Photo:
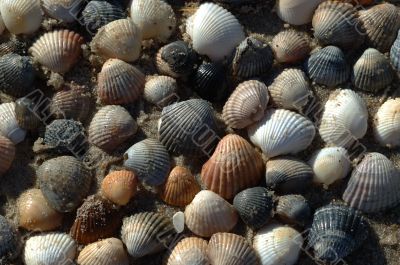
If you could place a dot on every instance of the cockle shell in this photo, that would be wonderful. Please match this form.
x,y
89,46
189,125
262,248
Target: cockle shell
x,y
161,90
9,241
27,113
64,10
190,250
290,46
108,251
293,209
7,154
210,82
21,16
395,53
119,186
387,123
297,12
9,125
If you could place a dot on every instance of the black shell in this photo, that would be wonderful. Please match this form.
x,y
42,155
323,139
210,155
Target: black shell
x,y
9,241
293,209
210,82
27,114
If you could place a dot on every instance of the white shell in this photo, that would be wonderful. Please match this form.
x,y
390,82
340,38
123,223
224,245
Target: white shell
x,y
282,132
109,251
9,125
178,220
160,90
215,32
65,10
345,118
21,16
297,12
387,123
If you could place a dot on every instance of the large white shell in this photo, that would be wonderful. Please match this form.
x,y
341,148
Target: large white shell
x,y
215,32
21,16
297,12
9,124
387,123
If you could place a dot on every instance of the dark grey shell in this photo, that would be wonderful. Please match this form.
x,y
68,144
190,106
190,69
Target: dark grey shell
x,y
255,206
9,242
188,128
210,83
27,114
336,231
293,209
395,53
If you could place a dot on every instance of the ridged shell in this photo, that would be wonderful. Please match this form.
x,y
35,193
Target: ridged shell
x,y
395,53
21,16
290,46
215,32
210,82
297,12
345,118
190,250
9,125
120,39
161,90
328,66
209,213
110,127
119,82
7,154
9,241
146,233
293,209
282,132
119,186
150,161
27,114
58,50
109,251
374,184
246,104
13,45
387,123
234,166
2,27
64,10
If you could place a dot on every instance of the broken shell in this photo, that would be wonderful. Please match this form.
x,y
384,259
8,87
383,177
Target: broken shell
x,y
293,209
210,82
9,241
290,46
387,123
161,90
7,154
26,112
190,250
395,53
64,10
297,12
109,251
21,16
9,125
119,186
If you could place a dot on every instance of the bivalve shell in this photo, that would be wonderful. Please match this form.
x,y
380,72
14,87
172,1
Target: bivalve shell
x,y
210,82
9,241
7,154
293,209
297,12
119,186
109,251
64,10
290,46
21,16
27,113
9,125
190,250
395,53
387,123
161,90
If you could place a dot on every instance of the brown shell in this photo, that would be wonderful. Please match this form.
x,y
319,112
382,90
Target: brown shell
x,y
7,154
290,46
27,114
119,186
190,250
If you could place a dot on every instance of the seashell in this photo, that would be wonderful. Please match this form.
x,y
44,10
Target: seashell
x,y
7,154
9,125
290,46
21,16
64,10
328,66
64,182
290,90
288,175
119,83
255,206
395,53
374,185
13,45
278,244
297,12
336,231
180,187
17,74
330,164
387,123
119,186
155,18
58,50
2,26
26,113
372,72
293,209
161,90
209,213
146,233
210,82
281,132
190,250
192,136
253,57
381,23
109,251
110,127
178,220
96,219
234,166
35,213
49,248
215,32
149,160
345,118
120,39
9,241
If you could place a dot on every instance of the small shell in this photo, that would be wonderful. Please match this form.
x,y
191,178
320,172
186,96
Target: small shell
x,y
395,53
110,127
178,220
150,161
9,241
190,250
209,213
290,46
58,50
161,90
215,32
294,210
21,16
7,154
35,213
246,105
374,185
387,123
64,10
26,112
255,206
119,186
146,233
328,66
119,82
210,82
297,12
120,39
9,125
234,166
109,251
282,132
13,45
180,187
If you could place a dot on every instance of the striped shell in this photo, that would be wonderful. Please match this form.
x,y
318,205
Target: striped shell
x,y
7,154
109,251
9,125
387,123
395,53
210,82
27,113
190,250
119,186
9,241
290,46
293,209
21,16
161,90
297,12
64,10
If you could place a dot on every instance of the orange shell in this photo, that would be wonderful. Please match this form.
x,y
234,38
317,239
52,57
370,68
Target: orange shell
x,y
119,186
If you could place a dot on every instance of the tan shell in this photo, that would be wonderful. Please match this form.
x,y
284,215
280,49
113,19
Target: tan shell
x,y
290,46
119,186
387,123
7,154
21,16
109,251
190,250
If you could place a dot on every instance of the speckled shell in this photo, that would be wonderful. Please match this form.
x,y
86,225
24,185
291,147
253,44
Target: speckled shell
x,y
231,249
336,231
180,187
234,166
290,90
7,154
290,46
344,119
64,181
190,250
119,82
150,161
282,132
246,105
9,125
296,12
64,10
255,206
210,82
21,16
374,184
110,127
395,53
50,248
293,209
9,241
27,113
120,39
109,251
328,66
215,32
387,123
209,213
146,233
161,90
35,213
119,186
277,244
